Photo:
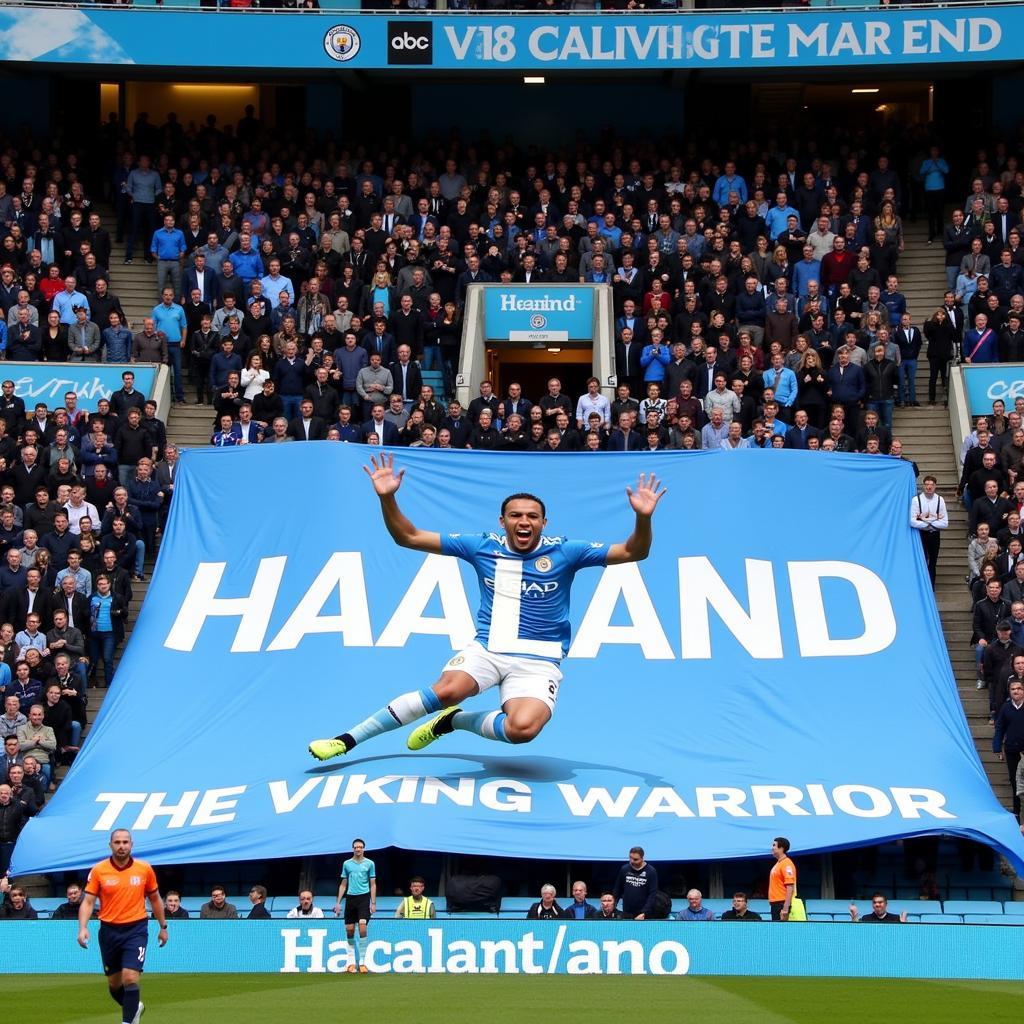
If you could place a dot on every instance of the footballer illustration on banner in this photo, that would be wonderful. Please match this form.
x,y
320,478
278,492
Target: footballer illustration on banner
x,y
721,691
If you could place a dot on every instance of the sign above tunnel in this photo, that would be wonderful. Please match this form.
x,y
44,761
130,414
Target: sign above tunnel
x,y
623,41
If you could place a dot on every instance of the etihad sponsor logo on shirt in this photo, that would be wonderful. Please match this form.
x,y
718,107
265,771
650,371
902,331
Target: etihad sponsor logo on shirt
x,y
525,587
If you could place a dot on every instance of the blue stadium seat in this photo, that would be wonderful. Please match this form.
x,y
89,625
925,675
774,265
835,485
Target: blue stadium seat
x,y
521,903
941,919
825,917
46,903
473,915
1011,907
916,906
841,908
971,907
759,907
717,907
193,903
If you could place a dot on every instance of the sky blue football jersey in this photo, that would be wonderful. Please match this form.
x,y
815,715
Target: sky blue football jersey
x,y
358,874
524,599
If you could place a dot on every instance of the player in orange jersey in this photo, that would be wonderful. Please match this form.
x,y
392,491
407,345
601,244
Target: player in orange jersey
x,y
122,884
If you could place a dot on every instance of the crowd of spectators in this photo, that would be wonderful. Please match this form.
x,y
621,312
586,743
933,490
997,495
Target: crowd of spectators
x,y
756,296
757,299
992,488
81,501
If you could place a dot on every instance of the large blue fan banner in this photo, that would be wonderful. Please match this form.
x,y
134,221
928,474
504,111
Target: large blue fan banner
x,y
775,666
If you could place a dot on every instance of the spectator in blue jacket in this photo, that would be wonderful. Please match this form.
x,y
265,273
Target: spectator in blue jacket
x,y
909,340
783,383
168,249
981,345
580,909
654,358
751,310
146,495
777,217
1007,277
246,261
289,375
350,359
846,386
804,271
933,173
116,341
893,300
695,909
624,438
729,181
224,362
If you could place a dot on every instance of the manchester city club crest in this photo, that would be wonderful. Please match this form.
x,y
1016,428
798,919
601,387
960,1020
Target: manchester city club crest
x,y
538,321
341,43
543,564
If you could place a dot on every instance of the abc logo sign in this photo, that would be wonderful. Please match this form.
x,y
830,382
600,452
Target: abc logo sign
x,y
410,42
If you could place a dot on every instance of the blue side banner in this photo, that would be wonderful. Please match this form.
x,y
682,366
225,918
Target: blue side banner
x,y
991,382
775,667
538,313
49,382
337,39
546,947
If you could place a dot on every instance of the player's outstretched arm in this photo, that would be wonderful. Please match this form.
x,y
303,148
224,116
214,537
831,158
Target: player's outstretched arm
x,y
644,500
386,483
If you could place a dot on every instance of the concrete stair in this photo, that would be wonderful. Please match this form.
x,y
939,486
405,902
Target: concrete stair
x,y
925,433
135,285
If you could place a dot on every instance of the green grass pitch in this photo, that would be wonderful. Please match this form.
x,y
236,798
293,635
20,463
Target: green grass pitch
x,y
559,999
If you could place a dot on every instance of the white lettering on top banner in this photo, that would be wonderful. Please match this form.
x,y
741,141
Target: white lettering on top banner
x,y
698,41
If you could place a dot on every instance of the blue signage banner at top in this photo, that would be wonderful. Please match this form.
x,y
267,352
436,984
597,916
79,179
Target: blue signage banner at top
x,y
540,313
993,382
618,41
741,683
49,382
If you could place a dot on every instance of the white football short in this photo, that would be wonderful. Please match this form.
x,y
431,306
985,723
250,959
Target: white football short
x,y
514,677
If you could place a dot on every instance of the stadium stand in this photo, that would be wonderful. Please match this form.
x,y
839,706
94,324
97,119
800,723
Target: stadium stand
x,y
697,240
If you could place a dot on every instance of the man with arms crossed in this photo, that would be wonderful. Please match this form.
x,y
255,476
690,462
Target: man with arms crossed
x,y
122,884
518,644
